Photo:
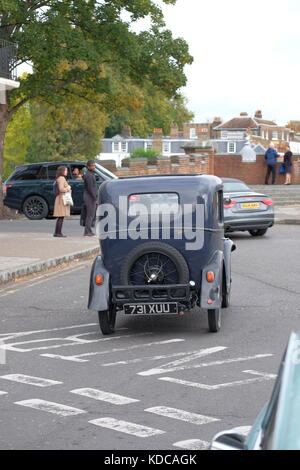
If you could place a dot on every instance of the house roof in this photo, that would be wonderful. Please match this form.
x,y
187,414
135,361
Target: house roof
x,y
239,123
245,122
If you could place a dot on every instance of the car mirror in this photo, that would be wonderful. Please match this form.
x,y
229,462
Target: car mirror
x,y
229,440
233,247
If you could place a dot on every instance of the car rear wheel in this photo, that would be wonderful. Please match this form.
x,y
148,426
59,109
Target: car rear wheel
x,y
35,208
258,232
154,263
107,320
214,320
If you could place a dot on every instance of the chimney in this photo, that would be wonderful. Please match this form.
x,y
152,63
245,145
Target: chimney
x,y
126,132
258,114
157,140
174,131
243,114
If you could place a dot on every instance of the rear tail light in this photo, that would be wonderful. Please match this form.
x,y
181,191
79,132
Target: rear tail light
x,y
5,188
210,276
99,279
268,201
228,205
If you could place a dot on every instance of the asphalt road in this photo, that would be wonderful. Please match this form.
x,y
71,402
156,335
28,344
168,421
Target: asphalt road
x,y
71,226
158,383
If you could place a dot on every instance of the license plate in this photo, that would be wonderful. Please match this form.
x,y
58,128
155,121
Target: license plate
x,y
250,205
150,309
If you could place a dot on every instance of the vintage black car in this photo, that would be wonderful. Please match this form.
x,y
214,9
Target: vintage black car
x,y
163,249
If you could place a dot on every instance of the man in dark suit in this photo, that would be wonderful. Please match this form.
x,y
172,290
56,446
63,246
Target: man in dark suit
x,y
90,197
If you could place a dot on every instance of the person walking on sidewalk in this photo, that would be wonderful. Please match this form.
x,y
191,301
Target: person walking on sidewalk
x,y
90,197
271,156
60,210
287,160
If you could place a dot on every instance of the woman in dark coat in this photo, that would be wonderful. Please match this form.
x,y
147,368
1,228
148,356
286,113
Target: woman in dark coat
x,y
287,159
60,210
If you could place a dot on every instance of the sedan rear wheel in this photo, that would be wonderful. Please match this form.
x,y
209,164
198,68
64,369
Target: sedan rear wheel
x,y
258,232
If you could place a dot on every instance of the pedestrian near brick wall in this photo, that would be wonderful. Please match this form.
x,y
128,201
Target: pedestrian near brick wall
x,y
271,156
287,160
60,210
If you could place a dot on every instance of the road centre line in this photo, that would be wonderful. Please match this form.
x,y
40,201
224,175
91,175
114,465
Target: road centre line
x,y
126,427
35,283
192,444
163,369
112,398
182,415
78,357
188,383
50,407
12,346
30,380
3,393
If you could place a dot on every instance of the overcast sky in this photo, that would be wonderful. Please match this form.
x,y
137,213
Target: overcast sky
x,y
246,56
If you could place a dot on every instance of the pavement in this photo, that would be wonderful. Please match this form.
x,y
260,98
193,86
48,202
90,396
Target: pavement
x,y
28,247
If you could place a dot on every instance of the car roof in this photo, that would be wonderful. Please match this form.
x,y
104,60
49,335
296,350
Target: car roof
x,y
65,162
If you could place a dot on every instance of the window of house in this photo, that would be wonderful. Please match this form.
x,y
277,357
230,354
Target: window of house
x,y
124,147
193,134
274,135
166,147
148,145
231,147
115,147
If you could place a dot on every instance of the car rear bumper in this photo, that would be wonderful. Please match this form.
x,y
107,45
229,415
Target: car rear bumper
x,y
154,293
249,223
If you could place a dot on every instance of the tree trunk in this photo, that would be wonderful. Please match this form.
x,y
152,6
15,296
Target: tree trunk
x,y
4,119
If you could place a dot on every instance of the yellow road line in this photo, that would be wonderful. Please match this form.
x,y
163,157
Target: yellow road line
x,y
41,279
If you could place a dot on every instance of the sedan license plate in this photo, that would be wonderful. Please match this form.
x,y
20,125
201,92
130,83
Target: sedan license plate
x,y
151,309
250,205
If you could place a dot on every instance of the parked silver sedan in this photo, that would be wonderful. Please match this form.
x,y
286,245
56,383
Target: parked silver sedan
x,y
245,209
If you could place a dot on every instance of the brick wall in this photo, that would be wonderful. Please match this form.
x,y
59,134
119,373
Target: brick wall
x,y
230,166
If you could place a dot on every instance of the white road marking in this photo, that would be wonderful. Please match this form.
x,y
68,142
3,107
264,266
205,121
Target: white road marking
x,y
29,380
50,407
74,341
262,377
104,396
243,430
126,427
3,393
147,358
178,365
167,367
6,336
182,415
80,357
192,444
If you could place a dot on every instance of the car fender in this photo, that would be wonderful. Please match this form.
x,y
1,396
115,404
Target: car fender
x,y
99,294
210,291
229,246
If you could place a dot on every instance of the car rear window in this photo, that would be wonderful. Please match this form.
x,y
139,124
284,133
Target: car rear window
x,y
231,187
153,203
26,173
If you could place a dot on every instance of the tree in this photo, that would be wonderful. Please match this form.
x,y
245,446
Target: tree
x,y
70,131
87,37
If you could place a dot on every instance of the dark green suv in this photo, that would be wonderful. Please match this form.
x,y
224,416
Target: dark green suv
x,y
30,187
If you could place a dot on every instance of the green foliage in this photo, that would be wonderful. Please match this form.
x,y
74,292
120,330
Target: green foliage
x,y
17,140
70,131
142,153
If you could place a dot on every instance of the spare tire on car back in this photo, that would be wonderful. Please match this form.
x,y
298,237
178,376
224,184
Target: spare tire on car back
x,y
154,263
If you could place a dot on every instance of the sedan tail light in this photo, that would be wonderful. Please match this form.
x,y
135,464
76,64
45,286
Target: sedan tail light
x,y
268,201
228,205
